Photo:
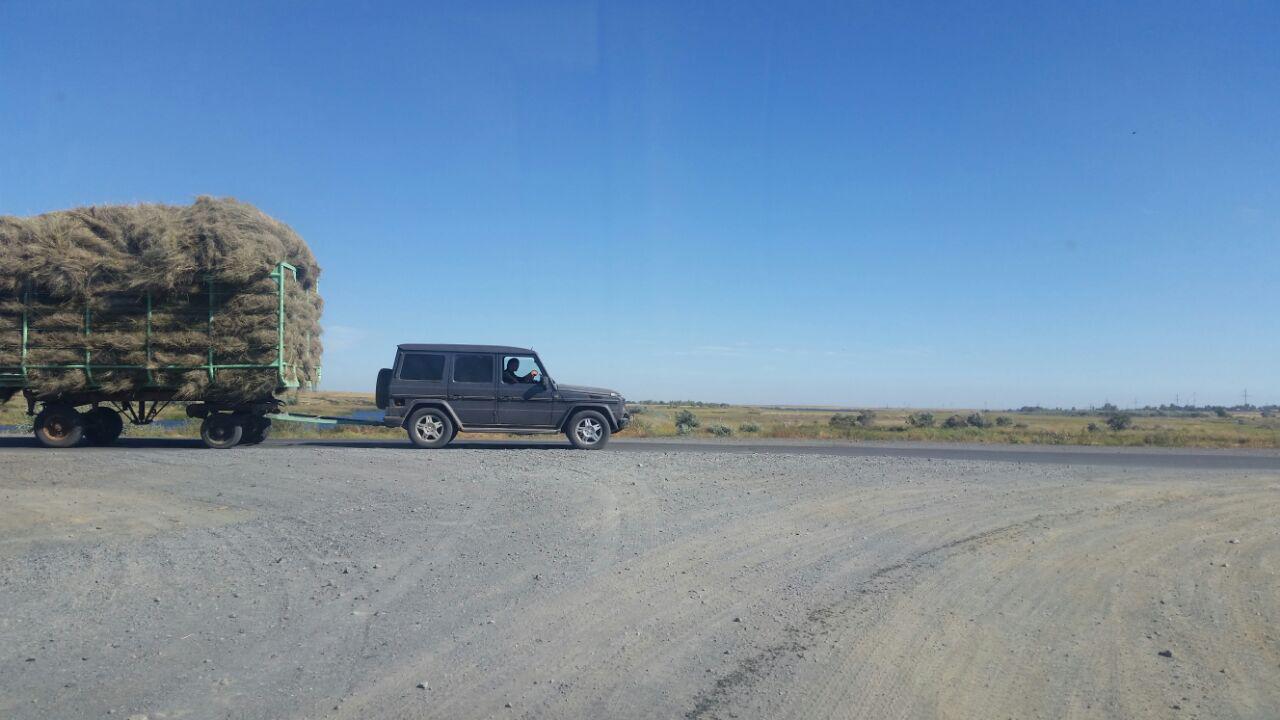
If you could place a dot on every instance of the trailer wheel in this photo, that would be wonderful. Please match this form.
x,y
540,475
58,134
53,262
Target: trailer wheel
x,y
256,429
221,431
102,426
59,426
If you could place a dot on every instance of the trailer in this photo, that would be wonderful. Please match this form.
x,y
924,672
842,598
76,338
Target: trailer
x,y
95,414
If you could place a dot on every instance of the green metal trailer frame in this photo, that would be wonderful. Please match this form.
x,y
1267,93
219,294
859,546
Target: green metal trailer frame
x,y
12,376
324,420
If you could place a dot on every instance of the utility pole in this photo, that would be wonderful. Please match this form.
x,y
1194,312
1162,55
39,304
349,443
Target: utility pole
x,y
1246,397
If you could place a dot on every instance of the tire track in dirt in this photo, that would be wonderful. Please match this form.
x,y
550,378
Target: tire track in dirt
x,y
818,622
1064,619
638,599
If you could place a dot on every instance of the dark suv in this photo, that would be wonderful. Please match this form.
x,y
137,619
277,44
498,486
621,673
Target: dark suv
x,y
435,391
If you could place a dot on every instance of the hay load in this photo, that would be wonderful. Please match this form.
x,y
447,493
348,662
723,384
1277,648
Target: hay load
x,y
124,298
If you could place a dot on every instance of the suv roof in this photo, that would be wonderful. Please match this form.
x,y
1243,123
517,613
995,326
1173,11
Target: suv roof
x,y
505,349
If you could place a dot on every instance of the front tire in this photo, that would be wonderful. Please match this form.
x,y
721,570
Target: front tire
x,y
102,426
221,431
430,428
588,430
59,426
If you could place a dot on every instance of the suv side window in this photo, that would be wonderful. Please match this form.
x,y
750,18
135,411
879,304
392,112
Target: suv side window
x,y
421,366
473,368
526,368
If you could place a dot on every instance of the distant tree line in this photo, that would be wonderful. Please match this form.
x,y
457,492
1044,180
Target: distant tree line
x,y
1168,410
680,403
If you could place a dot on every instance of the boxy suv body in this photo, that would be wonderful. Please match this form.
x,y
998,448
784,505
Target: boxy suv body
x,y
436,391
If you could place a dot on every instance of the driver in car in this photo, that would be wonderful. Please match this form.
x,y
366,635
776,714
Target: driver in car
x,y
509,375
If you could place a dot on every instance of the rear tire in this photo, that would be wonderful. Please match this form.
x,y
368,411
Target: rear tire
x,y
256,429
221,431
59,426
102,426
430,428
588,430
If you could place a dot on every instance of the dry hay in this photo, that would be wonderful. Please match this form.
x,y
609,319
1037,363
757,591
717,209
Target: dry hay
x,y
104,260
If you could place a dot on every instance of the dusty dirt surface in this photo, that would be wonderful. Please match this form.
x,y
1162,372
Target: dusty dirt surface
x,y
313,582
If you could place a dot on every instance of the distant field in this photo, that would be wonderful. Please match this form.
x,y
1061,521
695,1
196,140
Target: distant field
x,y
1238,430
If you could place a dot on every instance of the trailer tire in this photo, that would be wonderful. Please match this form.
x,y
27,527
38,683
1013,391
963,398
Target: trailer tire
x,y
102,426
256,429
59,426
221,431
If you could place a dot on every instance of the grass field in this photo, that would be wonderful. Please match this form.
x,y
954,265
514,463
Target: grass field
x,y
1238,430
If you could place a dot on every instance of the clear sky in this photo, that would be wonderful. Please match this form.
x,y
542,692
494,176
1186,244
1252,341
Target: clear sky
x,y
933,204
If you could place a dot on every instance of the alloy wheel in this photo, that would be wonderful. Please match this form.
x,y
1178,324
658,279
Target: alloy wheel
x,y
429,428
589,430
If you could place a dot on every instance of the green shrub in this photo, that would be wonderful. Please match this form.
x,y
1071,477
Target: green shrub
x,y
720,430
920,420
1004,421
842,421
1221,412
637,409
748,427
1094,427
686,421
955,421
978,420
864,418
1120,421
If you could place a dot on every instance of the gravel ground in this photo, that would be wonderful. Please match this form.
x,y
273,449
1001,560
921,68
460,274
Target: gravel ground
x,y
313,582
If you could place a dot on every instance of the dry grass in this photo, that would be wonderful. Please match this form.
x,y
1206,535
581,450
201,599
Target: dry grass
x,y
99,263
1242,430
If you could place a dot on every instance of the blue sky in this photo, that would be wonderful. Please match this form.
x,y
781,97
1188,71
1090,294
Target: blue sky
x,y
934,204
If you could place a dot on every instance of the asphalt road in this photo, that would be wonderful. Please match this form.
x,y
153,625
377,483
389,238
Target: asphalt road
x,y
1175,458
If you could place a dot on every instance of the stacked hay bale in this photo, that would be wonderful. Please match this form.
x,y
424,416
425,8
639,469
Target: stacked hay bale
x,y
205,270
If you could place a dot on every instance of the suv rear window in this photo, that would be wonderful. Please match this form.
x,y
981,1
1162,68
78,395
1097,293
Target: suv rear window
x,y
473,368
419,366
